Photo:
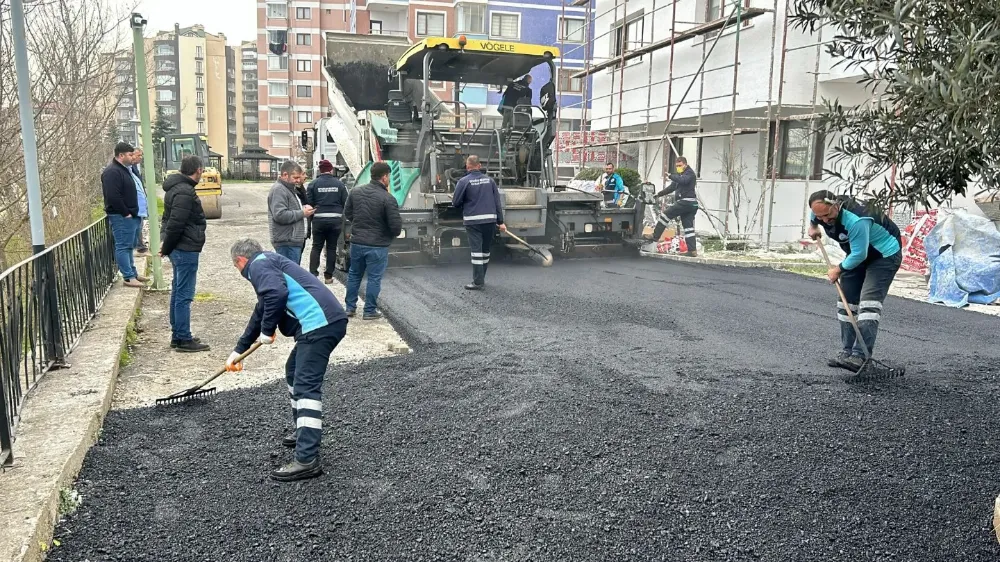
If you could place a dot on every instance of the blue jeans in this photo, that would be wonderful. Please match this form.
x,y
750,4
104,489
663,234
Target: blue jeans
x,y
123,230
182,293
293,253
139,245
370,259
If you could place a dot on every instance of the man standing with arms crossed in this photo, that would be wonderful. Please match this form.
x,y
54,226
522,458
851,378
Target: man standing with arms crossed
x,y
479,198
375,222
121,203
286,215
328,196
294,302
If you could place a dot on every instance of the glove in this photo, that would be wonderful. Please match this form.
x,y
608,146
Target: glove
x,y
265,340
231,366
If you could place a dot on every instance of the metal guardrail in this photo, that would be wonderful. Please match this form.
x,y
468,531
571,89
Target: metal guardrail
x,y
46,303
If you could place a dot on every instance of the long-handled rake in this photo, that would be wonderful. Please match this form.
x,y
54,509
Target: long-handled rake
x,y
200,391
871,369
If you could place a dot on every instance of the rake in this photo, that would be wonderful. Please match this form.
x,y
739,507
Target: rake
x,y
871,369
197,392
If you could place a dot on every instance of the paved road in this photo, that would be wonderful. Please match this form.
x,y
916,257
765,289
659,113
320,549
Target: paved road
x,y
596,410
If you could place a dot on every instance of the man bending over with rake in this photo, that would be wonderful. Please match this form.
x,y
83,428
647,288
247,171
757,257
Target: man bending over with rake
x,y
872,244
295,302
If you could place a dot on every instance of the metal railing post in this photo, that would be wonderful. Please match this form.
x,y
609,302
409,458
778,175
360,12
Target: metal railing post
x,y
88,267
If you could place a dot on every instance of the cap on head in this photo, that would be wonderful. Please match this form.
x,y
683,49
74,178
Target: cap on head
x,y
325,167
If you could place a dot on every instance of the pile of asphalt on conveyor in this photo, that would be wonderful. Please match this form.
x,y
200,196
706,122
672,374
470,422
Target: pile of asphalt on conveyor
x,y
365,84
553,418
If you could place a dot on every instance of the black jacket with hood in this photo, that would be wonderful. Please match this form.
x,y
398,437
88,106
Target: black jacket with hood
x,y
374,215
183,217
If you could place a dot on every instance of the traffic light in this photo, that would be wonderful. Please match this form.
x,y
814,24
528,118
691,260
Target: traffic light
x,y
305,139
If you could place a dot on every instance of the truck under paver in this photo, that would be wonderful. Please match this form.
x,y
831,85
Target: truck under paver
x,y
611,410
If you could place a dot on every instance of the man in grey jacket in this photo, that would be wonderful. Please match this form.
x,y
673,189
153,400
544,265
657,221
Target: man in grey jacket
x,y
286,215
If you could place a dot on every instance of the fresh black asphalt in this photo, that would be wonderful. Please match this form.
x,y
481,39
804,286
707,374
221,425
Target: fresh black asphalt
x,y
595,410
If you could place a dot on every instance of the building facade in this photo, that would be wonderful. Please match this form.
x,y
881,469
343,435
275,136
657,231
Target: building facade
x,y
291,47
249,116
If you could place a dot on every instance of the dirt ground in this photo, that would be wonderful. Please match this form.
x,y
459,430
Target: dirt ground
x,y
223,303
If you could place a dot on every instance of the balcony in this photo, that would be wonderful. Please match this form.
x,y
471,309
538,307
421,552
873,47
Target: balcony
x,y
389,5
390,32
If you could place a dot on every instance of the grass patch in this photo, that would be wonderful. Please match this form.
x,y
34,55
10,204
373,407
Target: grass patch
x,y
204,297
131,338
69,501
807,270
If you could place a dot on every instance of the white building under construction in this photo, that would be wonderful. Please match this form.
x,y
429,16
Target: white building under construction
x,y
732,86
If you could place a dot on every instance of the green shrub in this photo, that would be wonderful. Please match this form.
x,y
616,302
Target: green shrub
x,y
589,174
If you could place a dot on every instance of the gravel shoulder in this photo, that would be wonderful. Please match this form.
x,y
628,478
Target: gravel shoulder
x,y
595,410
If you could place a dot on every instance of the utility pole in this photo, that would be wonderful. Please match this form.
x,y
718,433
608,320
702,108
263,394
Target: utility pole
x,y
27,113
148,158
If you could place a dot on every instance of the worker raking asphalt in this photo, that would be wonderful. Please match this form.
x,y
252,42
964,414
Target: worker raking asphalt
x,y
594,410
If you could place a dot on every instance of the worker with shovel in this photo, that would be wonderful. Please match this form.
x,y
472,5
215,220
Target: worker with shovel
x,y
872,244
479,198
295,302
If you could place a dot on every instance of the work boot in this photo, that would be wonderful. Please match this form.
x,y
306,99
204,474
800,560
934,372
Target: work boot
x,y
373,315
143,254
175,343
290,439
191,346
473,287
328,279
134,283
691,253
852,363
351,313
297,470
838,360
142,279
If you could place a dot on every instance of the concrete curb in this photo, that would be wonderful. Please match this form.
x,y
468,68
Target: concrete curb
x,y
62,418
728,263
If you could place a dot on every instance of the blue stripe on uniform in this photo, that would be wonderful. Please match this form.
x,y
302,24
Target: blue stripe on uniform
x,y
304,307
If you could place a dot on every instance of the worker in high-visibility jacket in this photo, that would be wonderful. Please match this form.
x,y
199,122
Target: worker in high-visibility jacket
x,y
685,208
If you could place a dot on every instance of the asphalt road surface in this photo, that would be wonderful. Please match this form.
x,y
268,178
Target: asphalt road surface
x,y
595,410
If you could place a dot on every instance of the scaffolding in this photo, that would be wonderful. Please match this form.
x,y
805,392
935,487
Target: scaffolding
x,y
615,136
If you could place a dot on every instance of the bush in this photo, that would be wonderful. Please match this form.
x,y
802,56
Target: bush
x,y
589,174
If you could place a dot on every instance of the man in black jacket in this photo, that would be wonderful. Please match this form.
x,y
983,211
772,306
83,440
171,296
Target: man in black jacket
x,y
121,203
375,221
686,206
183,240
328,196
479,198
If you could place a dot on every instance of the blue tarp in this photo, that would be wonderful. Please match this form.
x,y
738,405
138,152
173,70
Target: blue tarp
x,y
963,251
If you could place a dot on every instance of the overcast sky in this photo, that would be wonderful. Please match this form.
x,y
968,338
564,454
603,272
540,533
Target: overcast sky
x,y
237,19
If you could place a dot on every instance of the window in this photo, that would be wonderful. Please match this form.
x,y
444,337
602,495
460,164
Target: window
x,y
303,13
165,66
430,24
472,18
168,109
303,91
304,65
277,63
571,30
201,112
627,36
201,127
720,9
303,39
164,95
568,84
250,120
277,88
796,139
166,80
250,97
304,117
164,50
279,115
280,141
375,27
199,67
505,26
199,97
199,82
434,85
199,52
124,114
279,11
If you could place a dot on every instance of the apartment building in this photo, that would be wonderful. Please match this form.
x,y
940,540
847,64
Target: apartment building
x,y
126,115
291,47
249,116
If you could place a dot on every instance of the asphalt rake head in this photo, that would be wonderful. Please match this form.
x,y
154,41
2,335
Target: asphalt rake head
x,y
873,370
186,395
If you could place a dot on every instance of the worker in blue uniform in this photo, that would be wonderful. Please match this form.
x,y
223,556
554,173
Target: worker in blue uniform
x,y
291,300
479,198
874,253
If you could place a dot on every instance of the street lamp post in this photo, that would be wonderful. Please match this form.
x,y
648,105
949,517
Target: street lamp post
x,y
27,113
148,163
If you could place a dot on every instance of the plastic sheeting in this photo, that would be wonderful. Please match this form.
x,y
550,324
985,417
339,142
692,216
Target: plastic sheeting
x,y
964,255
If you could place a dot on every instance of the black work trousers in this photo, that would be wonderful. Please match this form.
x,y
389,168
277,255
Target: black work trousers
x,y
480,241
686,210
304,373
865,288
325,231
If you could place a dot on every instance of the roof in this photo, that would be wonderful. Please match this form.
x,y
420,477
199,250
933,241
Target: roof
x,y
480,61
253,152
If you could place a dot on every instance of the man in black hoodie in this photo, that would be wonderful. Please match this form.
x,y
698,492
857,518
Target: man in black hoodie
x,y
685,208
183,240
328,196
121,203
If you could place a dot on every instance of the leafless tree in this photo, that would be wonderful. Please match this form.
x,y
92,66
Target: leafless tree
x,y
743,206
71,47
